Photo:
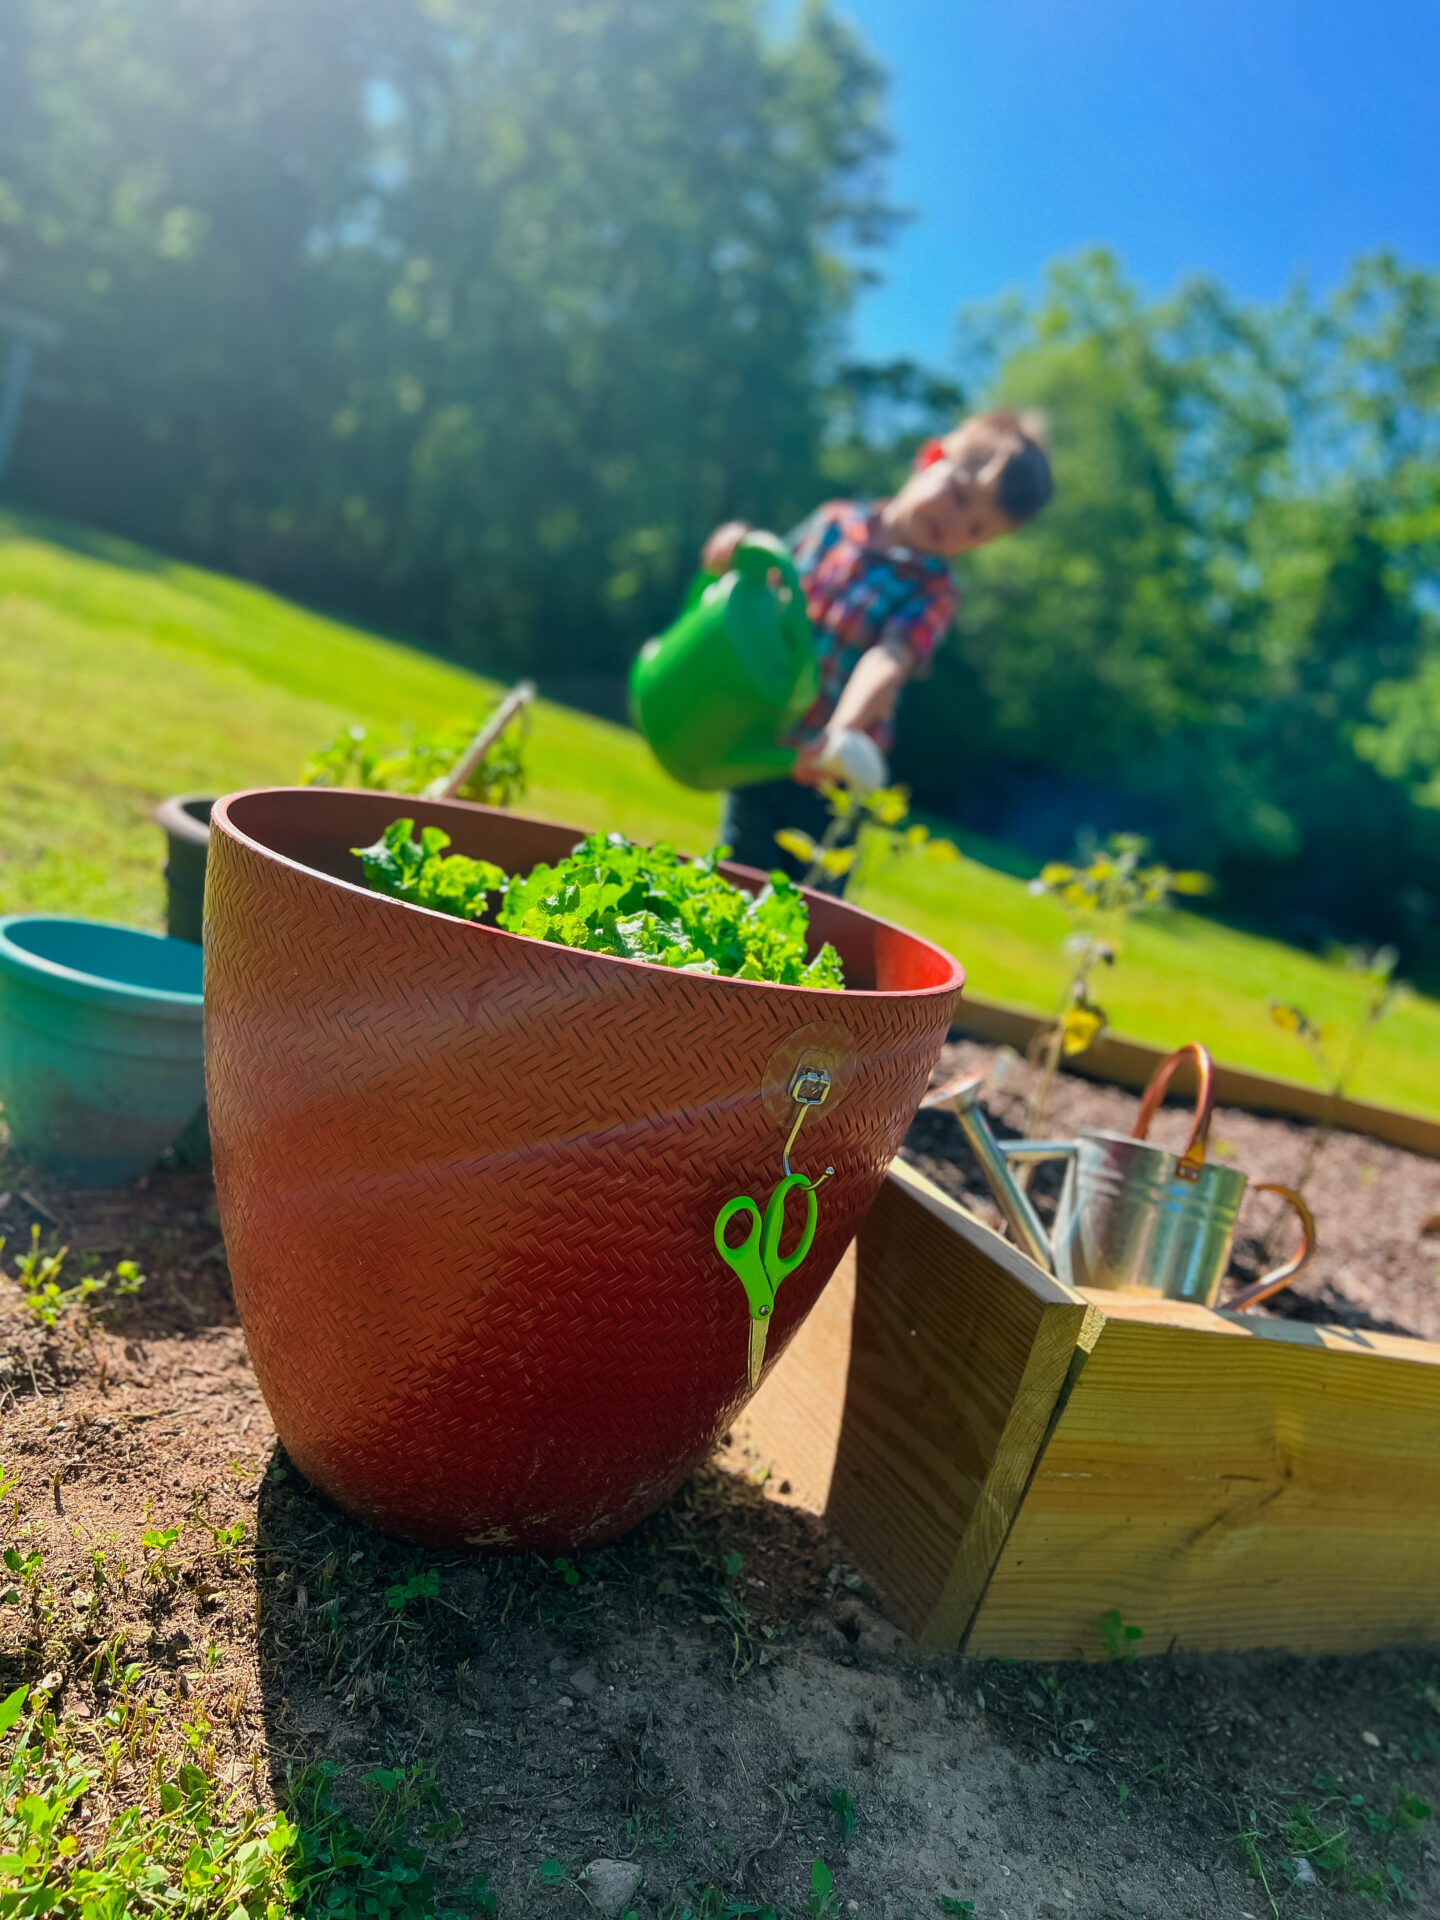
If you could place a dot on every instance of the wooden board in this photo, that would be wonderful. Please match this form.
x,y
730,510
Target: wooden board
x,y
1130,1063
911,1406
1231,1483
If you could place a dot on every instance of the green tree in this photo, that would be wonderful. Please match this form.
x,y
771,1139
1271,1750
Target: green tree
x,y
165,167
470,317
1195,634
607,338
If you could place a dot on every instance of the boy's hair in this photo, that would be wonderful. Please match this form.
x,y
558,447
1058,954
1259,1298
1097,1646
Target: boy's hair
x,y
1006,451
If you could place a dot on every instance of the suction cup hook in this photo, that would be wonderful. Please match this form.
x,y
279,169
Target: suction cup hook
x,y
809,1088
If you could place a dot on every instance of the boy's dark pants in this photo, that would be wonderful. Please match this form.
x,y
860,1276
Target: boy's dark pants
x,y
754,815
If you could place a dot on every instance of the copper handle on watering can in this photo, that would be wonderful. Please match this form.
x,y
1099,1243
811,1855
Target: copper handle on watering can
x,y
1279,1277
1193,1158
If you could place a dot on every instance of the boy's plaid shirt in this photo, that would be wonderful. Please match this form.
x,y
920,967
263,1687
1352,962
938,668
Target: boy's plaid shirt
x,y
859,593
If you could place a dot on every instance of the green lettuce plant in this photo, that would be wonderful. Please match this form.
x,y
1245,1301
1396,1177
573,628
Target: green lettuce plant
x,y
611,896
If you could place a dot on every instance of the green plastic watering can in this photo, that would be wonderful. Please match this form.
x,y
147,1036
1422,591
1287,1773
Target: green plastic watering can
x,y
716,690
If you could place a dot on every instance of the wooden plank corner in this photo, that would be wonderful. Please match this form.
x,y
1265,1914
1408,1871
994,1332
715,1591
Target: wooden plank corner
x,y
910,1407
1228,1483
1010,1461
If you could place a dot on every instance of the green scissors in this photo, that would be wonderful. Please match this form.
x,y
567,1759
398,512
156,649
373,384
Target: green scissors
x,y
758,1261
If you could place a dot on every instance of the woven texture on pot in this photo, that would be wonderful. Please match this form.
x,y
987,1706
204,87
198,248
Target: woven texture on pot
x,y
469,1181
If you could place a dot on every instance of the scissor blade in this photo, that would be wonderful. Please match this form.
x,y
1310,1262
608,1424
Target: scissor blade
x,y
758,1330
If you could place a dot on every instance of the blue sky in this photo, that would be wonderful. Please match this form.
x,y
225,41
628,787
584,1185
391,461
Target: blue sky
x,y
1250,139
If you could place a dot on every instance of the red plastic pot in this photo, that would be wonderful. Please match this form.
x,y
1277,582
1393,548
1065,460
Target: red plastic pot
x,y
469,1181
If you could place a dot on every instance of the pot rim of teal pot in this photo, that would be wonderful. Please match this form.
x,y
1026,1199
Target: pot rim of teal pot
x,y
34,970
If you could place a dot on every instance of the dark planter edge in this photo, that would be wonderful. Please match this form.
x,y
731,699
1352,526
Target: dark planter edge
x,y
170,816
1124,1062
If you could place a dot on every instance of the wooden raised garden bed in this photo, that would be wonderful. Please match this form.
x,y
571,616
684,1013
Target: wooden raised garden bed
x,y
1014,1463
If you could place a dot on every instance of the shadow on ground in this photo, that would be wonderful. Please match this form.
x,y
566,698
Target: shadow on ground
x,y
717,1702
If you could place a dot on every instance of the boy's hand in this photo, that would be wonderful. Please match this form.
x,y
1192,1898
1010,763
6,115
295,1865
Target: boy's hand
x,y
809,767
719,549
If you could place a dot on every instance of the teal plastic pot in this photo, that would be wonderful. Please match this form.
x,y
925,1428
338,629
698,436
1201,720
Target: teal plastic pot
x,y
102,1059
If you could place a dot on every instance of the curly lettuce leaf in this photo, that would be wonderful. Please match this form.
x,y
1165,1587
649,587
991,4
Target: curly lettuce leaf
x,y
611,896
422,873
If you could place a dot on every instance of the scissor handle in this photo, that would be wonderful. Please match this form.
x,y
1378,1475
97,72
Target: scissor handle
x,y
741,1204
747,1260
780,1266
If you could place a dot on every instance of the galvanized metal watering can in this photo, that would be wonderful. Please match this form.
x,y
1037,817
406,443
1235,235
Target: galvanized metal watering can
x,y
1131,1215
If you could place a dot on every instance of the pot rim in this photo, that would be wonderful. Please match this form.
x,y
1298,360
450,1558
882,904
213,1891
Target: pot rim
x,y
220,820
1213,1172
98,989
172,817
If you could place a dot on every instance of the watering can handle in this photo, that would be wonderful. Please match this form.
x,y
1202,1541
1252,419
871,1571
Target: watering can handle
x,y
1279,1277
758,552
1193,1158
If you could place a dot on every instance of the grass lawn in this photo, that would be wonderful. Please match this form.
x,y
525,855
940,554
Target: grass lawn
x,y
125,677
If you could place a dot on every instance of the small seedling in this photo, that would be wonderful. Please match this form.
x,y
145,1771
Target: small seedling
x,y
420,1586
1121,1641
958,1909
105,1667
843,1808
823,1903
1100,893
39,1274
481,1897
227,1542
881,833
158,1543
26,1570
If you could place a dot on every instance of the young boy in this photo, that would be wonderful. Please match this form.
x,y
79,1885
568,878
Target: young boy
x,y
880,596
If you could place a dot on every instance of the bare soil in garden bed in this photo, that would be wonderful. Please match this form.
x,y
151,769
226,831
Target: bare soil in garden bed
x,y
1376,1207
714,1703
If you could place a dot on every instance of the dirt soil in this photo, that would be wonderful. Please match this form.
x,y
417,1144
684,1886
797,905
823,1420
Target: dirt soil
x,y
711,1705
1376,1207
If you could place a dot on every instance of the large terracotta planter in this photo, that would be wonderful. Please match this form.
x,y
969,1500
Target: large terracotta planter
x,y
469,1181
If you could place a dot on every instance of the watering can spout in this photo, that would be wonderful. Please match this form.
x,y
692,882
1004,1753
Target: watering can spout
x,y
995,1156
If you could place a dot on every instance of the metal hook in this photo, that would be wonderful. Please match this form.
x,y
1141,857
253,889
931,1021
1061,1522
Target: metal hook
x,y
809,1088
